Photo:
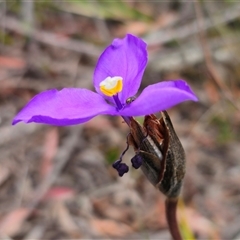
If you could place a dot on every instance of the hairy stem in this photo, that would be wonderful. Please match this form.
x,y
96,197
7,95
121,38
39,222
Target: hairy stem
x,y
171,210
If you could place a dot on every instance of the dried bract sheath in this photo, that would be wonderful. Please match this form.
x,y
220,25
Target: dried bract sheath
x,y
163,157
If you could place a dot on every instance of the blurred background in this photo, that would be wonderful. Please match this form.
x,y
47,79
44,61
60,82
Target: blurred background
x,y
57,182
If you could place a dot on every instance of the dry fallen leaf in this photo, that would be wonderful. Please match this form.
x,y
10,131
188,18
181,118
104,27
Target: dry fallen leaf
x,y
107,210
137,28
64,219
12,223
4,174
110,228
99,123
198,223
155,216
211,92
59,193
12,62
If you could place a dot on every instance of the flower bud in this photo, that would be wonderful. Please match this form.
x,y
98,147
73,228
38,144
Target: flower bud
x,y
162,154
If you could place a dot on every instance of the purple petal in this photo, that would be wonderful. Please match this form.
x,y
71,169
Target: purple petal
x,y
126,58
158,97
66,107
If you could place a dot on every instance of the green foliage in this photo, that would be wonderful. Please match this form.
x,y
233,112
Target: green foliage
x,y
111,155
44,4
6,38
185,230
118,10
12,6
172,44
224,129
140,120
230,1
234,25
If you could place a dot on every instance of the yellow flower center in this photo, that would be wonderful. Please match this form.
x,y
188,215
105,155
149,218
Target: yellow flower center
x,y
111,86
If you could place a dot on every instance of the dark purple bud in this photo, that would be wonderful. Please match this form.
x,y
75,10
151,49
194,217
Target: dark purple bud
x,y
136,161
122,169
116,164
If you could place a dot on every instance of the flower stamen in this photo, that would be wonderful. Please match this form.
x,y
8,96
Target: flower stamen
x,y
111,86
121,168
137,159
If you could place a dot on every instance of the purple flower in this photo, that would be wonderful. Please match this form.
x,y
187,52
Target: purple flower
x,y
117,78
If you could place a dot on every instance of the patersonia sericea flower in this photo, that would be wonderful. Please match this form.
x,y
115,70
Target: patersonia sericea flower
x,y
116,79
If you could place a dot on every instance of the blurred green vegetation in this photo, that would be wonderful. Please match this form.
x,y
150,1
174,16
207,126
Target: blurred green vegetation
x,y
185,230
224,129
112,154
6,38
107,9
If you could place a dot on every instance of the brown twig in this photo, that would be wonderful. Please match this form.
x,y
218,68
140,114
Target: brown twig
x,y
62,156
189,29
171,210
211,69
51,38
